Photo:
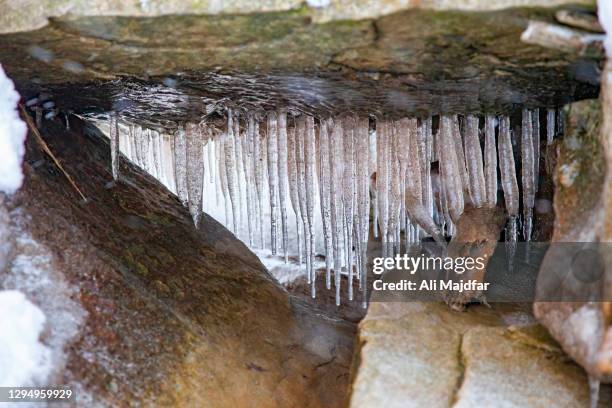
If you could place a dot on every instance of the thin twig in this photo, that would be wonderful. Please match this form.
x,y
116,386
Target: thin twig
x,y
45,147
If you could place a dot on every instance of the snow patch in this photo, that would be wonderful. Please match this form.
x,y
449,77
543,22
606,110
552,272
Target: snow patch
x,y
12,137
24,361
318,3
604,10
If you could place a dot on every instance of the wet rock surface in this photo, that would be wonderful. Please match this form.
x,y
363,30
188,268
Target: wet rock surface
x,y
424,354
179,68
171,315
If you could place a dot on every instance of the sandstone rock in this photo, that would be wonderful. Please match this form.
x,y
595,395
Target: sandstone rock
x,y
28,15
579,326
425,355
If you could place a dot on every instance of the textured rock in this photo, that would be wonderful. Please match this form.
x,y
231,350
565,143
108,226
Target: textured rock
x,y
581,216
425,355
161,70
171,315
19,15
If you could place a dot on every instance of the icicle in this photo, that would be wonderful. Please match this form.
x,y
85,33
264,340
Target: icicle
x,y
258,163
363,200
195,171
282,177
247,164
223,181
132,143
336,167
293,185
300,136
348,181
535,115
211,159
145,140
180,163
373,166
490,157
325,191
230,171
594,386
509,185
157,154
382,183
527,172
560,122
239,172
309,167
550,126
507,168
138,145
450,165
473,155
465,180
114,144
272,139
424,140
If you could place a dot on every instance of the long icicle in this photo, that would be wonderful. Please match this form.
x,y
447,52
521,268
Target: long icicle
x,y
490,158
282,178
239,172
300,136
258,164
450,167
382,187
230,171
114,144
336,166
325,191
272,139
550,126
180,164
293,185
473,155
535,116
195,171
348,198
509,185
527,172
247,158
363,202
309,169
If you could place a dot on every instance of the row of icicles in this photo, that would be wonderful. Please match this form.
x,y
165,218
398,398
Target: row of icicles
x,y
327,176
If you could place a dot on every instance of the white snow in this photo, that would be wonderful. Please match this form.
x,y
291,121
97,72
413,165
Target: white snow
x,y
318,3
12,137
24,360
604,11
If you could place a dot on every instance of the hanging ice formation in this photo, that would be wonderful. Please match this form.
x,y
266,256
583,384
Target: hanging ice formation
x,y
317,181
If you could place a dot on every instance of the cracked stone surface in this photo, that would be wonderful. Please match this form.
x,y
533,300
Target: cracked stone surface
x,y
425,355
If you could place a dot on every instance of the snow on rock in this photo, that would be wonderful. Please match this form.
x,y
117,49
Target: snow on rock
x,y
604,10
12,137
24,361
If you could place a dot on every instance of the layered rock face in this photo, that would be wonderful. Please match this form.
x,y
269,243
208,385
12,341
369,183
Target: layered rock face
x,y
161,313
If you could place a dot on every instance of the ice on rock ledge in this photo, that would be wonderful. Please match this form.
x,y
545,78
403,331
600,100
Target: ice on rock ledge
x,y
414,175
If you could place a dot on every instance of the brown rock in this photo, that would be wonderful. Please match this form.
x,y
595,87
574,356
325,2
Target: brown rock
x,y
162,322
